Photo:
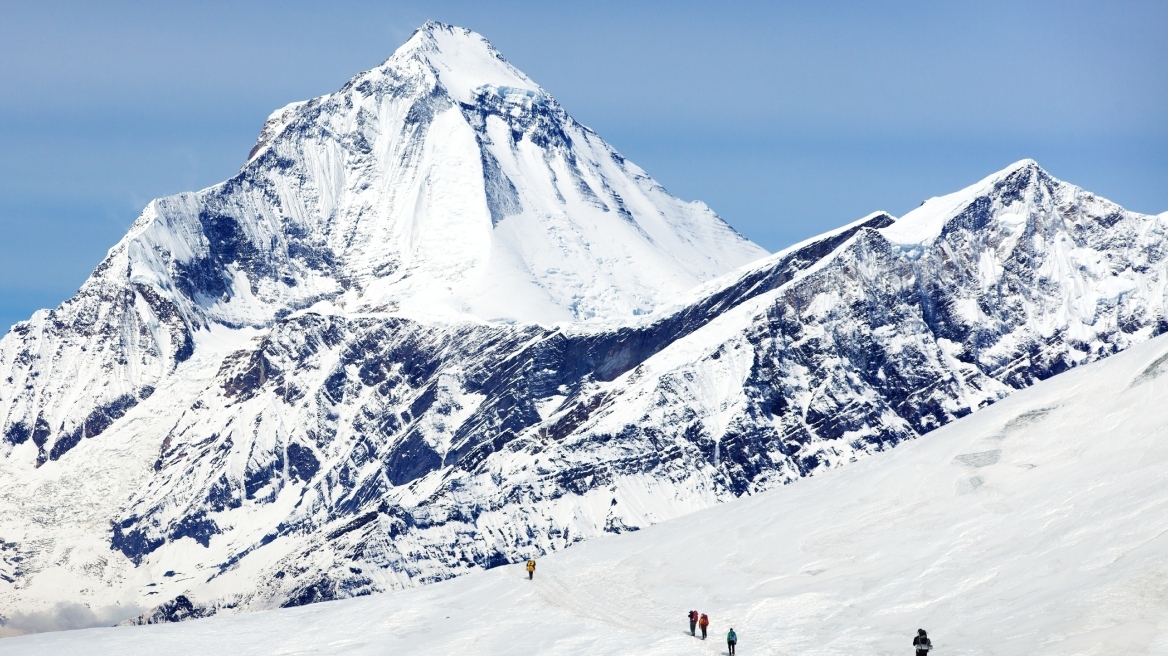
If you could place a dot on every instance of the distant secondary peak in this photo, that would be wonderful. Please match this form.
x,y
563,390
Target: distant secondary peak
x,y
1019,166
925,223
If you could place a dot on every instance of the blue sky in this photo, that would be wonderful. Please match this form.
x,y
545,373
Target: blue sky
x,y
786,118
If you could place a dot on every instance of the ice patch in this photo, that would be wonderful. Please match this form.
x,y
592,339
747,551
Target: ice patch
x,y
980,459
547,407
967,485
1026,419
1154,370
66,616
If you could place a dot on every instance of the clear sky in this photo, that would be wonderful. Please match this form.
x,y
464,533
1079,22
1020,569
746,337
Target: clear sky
x,y
786,118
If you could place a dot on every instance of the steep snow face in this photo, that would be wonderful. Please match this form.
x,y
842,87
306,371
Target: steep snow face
x,y
70,373
1032,527
445,183
442,185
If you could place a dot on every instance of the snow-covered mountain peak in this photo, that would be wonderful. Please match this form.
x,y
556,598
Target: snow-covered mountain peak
x,y
924,224
462,59
443,184
462,62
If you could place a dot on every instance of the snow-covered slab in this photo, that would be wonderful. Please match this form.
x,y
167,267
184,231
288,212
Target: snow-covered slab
x,y
1033,527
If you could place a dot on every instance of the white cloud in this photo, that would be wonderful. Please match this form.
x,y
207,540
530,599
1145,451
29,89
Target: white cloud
x,y
68,615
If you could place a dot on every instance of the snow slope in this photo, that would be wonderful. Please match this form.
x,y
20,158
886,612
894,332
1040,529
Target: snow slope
x,y
1035,526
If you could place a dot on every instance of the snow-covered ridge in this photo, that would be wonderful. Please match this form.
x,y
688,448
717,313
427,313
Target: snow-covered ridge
x,y
1029,528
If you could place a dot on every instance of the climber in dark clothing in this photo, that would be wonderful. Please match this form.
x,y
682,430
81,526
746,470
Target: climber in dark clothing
x,y
731,641
921,643
693,622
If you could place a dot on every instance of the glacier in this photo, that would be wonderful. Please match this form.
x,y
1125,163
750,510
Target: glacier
x,y
435,326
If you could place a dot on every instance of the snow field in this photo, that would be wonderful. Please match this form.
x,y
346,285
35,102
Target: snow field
x,y
1035,526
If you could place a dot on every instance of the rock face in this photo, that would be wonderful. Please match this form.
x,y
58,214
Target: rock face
x,y
434,324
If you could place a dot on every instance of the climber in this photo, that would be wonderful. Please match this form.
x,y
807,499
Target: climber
x,y
704,623
693,622
921,643
530,569
731,640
